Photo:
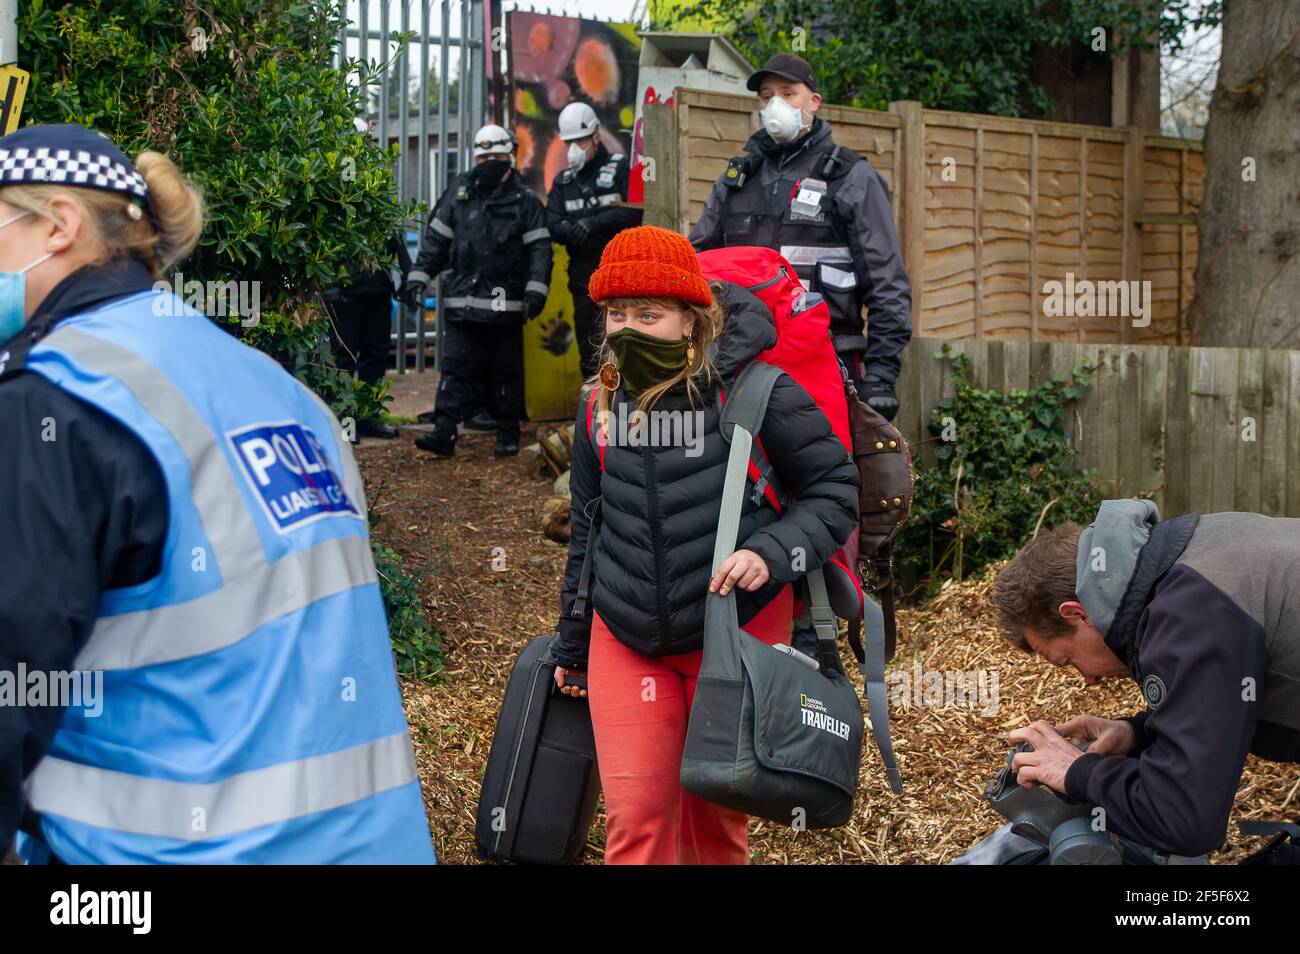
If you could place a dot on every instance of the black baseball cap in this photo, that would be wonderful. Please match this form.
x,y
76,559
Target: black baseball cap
x,y
788,65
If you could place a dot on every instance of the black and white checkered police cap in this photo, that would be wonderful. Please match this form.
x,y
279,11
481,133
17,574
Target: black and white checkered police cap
x,y
70,155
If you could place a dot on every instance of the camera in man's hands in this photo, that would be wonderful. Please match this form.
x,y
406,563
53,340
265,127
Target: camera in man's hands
x,y
1054,821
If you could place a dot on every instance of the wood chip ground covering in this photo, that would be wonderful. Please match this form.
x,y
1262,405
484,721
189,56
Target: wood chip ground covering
x,y
453,521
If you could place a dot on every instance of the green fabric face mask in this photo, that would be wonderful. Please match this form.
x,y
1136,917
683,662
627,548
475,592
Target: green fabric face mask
x,y
644,360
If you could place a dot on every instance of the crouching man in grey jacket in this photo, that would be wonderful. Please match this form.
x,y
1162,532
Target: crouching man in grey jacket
x,y
1204,612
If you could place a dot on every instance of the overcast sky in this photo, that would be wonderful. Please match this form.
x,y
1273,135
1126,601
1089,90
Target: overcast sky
x,y
592,9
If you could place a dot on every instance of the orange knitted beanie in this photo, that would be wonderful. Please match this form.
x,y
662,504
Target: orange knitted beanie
x,y
649,262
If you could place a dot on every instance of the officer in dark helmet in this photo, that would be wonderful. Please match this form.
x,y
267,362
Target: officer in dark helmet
x,y
827,211
489,231
583,215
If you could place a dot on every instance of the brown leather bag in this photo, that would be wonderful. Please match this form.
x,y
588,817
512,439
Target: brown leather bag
x,y
885,468
884,501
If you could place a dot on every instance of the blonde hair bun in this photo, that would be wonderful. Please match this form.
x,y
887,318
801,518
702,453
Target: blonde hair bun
x,y
178,207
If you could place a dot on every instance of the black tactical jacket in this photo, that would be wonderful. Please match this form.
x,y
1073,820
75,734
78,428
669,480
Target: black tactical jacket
x,y
494,243
848,250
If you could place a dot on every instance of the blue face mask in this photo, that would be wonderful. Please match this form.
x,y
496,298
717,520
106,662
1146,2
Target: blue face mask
x,y
13,292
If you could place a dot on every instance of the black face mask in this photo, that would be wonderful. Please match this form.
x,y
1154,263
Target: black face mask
x,y
489,173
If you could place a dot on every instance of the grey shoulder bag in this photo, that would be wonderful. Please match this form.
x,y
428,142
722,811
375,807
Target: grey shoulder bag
x,y
772,732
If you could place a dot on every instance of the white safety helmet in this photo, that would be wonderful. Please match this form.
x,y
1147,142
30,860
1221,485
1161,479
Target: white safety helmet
x,y
494,140
577,121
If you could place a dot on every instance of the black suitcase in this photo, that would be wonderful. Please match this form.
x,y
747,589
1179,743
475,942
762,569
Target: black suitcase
x,y
540,787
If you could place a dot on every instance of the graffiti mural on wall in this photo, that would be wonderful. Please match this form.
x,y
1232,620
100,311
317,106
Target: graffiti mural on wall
x,y
560,60
555,61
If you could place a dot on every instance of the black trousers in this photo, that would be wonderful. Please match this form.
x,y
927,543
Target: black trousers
x,y
586,316
362,324
475,354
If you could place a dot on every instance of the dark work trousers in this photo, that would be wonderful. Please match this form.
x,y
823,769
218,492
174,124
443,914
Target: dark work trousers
x,y
586,318
476,354
362,324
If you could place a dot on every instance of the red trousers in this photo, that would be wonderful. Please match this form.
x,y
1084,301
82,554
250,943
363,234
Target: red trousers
x,y
639,710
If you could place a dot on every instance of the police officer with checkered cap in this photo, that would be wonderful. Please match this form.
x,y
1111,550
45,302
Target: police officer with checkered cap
x,y
180,512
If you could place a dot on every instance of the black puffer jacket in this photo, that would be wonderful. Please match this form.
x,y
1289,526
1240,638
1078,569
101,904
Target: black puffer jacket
x,y
659,508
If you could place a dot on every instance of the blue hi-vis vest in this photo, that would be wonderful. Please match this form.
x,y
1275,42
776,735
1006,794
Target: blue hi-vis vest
x,y
249,712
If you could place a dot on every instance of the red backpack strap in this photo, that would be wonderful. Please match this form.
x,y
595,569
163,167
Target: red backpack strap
x,y
591,432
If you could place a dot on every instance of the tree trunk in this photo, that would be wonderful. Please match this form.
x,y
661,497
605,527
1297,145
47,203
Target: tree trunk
x,y
1248,267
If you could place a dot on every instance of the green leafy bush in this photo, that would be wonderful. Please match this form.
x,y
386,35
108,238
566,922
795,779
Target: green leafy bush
x,y
245,96
1005,466
417,650
969,55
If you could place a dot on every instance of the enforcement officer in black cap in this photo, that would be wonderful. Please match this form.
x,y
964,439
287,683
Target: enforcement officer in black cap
x,y
827,211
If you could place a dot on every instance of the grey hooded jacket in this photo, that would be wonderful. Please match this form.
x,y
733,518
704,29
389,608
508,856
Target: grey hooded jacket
x,y
1205,612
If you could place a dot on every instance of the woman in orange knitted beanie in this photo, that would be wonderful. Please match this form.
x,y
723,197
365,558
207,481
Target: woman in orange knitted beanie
x,y
647,470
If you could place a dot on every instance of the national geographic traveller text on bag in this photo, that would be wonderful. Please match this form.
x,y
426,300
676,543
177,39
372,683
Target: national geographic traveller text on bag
x,y
772,733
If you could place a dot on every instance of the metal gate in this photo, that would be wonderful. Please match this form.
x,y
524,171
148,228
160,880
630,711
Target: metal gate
x,y
370,37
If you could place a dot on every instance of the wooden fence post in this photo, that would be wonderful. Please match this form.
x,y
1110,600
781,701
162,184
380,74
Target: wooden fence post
x,y
1134,151
662,146
910,194
683,140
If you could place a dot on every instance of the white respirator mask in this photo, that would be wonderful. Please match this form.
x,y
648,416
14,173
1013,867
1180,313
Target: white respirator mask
x,y
782,121
577,156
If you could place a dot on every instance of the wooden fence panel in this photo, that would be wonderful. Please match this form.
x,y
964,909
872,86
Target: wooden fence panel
x,y
989,210
1159,421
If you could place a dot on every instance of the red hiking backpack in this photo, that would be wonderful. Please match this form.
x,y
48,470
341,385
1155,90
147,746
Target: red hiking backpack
x,y
804,351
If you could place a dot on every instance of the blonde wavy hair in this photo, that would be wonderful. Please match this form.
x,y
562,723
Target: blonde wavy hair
x,y
699,373
111,229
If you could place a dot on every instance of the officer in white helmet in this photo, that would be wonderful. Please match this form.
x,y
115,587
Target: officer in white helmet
x,y
489,231
583,215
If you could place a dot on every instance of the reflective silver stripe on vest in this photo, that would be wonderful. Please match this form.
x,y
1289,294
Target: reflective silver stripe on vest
x,y
540,287
536,234
812,254
441,227
836,277
235,611
608,198
166,809
227,523
254,592
487,304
